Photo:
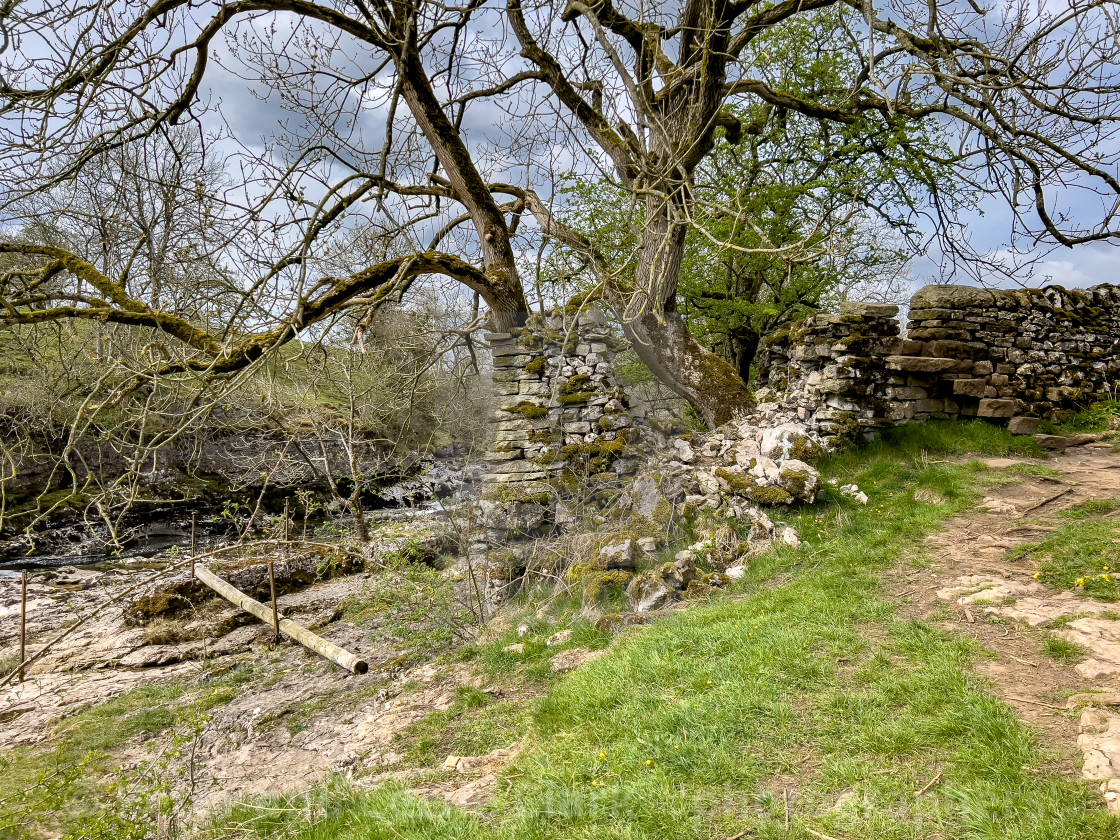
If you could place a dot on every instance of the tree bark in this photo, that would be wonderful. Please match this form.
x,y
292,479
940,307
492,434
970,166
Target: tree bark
x,y
658,332
503,292
710,384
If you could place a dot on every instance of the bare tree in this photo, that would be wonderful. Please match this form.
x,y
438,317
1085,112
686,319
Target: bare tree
x,y
477,103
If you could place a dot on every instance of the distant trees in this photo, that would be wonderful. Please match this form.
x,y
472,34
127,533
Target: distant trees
x,y
437,125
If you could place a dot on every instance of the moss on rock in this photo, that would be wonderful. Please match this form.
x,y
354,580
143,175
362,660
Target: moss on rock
x,y
528,410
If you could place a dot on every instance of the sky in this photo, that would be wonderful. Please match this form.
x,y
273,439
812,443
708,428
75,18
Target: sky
x,y
251,119
989,226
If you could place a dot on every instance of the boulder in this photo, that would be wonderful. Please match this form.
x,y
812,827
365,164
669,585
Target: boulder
x,y
614,622
618,554
951,297
680,573
799,480
1023,425
648,592
1054,442
684,451
560,638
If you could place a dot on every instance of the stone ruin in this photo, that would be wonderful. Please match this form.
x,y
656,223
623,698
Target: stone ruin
x,y
568,445
1019,355
564,423
560,404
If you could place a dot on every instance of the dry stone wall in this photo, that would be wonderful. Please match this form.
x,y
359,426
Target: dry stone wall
x,y
1027,354
560,403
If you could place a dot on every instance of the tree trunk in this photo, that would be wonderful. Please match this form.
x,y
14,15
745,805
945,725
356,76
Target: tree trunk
x,y
744,345
358,514
658,332
710,384
503,291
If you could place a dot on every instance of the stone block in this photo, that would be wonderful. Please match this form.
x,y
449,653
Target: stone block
x,y
952,297
929,405
955,349
938,334
932,314
519,467
900,412
1023,425
1055,442
907,393
869,310
910,347
512,478
509,455
997,408
920,364
983,368
535,389
970,387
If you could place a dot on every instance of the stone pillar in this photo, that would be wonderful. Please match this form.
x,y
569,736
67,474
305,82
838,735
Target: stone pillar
x,y
560,408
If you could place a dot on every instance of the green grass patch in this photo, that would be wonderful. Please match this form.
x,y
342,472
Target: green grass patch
x,y
60,784
1098,417
1068,653
475,724
1090,508
1082,554
689,729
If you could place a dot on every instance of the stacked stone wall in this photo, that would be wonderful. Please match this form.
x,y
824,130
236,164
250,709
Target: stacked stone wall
x,y
968,352
560,403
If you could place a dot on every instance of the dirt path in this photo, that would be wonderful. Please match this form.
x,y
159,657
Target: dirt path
x,y
978,584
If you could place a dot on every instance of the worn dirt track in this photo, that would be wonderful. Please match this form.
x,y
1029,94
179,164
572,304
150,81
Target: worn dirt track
x,y
972,572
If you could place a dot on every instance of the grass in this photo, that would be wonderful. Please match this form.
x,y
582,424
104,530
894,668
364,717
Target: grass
x,y
63,778
1098,417
692,728
1083,554
1067,653
476,723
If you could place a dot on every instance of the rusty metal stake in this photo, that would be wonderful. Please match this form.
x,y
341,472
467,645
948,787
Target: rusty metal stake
x,y
22,625
272,589
194,540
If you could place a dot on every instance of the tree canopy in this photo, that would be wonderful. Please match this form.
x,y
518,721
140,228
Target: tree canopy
x,y
441,127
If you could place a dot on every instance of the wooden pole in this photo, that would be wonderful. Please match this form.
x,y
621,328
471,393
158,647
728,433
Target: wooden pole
x,y
194,540
272,591
22,624
289,628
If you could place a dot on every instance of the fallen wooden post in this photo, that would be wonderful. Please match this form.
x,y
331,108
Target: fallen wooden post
x,y
22,624
272,593
288,627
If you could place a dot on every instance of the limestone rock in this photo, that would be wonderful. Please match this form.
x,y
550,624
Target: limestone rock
x,y
569,660
680,573
648,592
617,555
1023,425
560,638
614,622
